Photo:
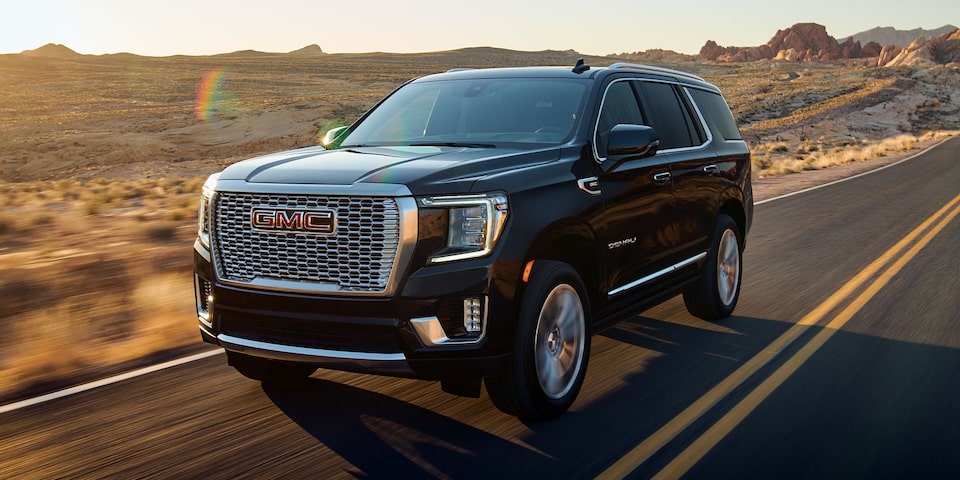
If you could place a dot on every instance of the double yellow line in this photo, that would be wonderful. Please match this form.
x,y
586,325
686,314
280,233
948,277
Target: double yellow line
x,y
693,453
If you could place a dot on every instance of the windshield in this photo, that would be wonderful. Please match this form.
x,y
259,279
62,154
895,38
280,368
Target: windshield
x,y
510,112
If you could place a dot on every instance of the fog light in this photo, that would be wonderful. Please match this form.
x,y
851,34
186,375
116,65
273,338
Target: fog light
x,y
204,295
472,315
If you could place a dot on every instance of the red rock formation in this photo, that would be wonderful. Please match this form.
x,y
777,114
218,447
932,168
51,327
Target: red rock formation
x,y
937,50
803,42
871,49
887,53
850,49
809,40
945,48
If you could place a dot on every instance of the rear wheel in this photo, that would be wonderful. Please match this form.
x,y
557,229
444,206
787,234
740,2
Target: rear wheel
x,y
715,294
268,371
551,348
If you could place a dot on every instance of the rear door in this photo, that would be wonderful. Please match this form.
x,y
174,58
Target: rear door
x,y
693,163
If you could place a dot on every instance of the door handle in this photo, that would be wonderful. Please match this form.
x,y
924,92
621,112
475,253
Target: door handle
x,y
711,170
662,178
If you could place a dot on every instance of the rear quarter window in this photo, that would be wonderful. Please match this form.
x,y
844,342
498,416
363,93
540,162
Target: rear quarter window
x,y
716,113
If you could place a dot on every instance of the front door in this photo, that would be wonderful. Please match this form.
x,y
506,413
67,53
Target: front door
x,y
637,226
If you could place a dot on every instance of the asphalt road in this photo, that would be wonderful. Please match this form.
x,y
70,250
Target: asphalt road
x,y
841,361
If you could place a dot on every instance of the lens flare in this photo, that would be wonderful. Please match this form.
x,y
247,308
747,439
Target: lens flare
x,y
210,94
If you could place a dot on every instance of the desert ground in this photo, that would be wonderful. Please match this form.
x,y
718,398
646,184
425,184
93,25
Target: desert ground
x,y
102,159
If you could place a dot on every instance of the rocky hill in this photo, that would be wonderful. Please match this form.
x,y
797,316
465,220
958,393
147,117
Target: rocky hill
x,y
51,50
810,42
803,42
900,38
313,49
923,51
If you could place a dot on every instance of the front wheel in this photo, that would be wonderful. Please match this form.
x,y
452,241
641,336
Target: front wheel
x,y
551,348
715,293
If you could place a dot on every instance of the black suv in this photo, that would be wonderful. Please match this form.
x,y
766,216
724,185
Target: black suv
x,y
479,225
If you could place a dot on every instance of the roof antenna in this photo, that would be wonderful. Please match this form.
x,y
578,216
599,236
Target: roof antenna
x,y
580,67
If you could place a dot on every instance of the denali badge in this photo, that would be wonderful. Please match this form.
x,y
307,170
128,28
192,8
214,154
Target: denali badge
x,y
320,222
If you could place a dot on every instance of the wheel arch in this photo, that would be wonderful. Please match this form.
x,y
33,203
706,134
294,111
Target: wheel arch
x,y
573,243
731,204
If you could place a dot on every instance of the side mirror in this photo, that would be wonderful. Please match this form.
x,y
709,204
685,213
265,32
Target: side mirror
x,y
334,137
630,142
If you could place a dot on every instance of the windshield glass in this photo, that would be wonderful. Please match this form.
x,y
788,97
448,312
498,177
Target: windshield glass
x,y
511,112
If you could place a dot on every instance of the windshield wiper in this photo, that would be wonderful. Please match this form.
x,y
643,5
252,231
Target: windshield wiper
x,y
453,144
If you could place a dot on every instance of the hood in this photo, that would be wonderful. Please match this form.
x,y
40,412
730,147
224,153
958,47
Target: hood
x,y
421,169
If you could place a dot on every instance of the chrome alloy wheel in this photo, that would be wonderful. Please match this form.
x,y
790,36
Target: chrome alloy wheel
x,y
728,267
559,342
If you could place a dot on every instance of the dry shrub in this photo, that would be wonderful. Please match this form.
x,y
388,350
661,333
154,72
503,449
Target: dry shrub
x,y
811,157
160,231
181,214
89,315
6,224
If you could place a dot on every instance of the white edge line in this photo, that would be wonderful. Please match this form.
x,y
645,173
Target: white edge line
x,y
868,172
106,381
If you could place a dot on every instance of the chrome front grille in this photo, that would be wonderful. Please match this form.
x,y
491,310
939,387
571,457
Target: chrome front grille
x,y
358,257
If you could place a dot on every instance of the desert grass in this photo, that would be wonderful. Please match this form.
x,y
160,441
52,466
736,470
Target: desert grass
x,y
95,273
780,158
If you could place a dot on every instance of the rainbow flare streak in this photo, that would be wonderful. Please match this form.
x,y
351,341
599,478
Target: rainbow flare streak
x,y
209,93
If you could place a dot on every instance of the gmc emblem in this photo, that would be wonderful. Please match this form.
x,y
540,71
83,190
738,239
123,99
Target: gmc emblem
x,y
319,222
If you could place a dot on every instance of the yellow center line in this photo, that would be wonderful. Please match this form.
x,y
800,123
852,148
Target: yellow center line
x,y
639,454
683,462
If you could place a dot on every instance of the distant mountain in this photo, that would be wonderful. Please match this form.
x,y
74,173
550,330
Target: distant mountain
x,y
51,50
901,38
309,50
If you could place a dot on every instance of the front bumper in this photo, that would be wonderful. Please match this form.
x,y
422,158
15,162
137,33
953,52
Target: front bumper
x,y
417,333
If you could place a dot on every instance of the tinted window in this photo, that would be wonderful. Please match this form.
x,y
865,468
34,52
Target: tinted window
x,y
716,113
619,106
668,116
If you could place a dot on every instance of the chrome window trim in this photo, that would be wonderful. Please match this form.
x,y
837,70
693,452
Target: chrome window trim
x,y
408,231
703,125
658,274
702,120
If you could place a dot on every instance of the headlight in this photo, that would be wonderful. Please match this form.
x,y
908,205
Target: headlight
x,y
475,222
203,216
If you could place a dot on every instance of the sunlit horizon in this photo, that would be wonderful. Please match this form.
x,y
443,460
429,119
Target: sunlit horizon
x,y
182,27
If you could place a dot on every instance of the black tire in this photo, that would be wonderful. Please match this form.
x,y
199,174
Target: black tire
x,y
268,371
551,346
714,295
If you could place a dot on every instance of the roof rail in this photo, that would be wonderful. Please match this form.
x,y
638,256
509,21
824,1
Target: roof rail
x,y
648,68
461,69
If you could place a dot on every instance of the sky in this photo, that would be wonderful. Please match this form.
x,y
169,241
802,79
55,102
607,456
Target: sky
x,y
600,27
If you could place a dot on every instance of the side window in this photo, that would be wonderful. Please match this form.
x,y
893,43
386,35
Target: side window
x,y
716,113
669,116
619,106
